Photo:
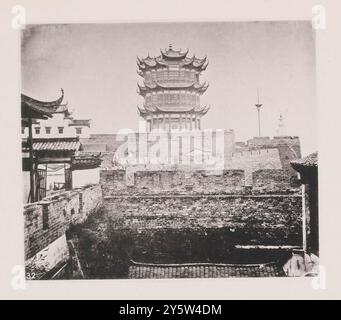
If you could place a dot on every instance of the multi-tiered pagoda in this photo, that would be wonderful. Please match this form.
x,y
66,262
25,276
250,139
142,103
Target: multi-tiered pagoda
x,y
172,90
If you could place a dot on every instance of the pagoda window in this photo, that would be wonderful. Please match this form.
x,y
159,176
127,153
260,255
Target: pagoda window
x,y
154,98
79,130
182,74
23,130
173,74
148,76
60,130
47,130
37,130
182,97
148,98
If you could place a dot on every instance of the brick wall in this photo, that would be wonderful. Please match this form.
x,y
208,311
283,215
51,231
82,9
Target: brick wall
x,y
115,182
271,181
248,219
47,220
253,160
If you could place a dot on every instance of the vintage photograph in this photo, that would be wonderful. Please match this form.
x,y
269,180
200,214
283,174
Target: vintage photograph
x,y
169,150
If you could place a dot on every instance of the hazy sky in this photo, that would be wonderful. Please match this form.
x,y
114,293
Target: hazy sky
x,y
95,64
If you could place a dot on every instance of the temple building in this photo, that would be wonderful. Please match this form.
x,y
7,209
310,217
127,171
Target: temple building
x,y
53,159
171,90
60,123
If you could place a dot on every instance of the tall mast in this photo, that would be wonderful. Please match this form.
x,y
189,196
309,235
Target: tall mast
x,y
258,106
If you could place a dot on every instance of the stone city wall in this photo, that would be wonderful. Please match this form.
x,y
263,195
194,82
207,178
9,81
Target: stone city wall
x,y
265,219
134,181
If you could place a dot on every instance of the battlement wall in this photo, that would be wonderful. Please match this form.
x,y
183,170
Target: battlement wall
x,y
159,182
118,182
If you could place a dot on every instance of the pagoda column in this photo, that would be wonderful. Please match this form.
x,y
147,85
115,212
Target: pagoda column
x,y
151,122
191,121
180,124
169,122
195,122
164,122
158,121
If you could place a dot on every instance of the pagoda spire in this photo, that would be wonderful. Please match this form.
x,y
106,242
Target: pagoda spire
x,y
281,131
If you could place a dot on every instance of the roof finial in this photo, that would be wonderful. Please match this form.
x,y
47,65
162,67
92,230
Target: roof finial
x,y
170,46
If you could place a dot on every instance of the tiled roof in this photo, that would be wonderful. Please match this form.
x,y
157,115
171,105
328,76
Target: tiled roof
x,y
308,161
204,270
86,160
80,122
38,109
60,144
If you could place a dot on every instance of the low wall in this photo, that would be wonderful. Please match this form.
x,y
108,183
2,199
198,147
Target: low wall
x,y
48,220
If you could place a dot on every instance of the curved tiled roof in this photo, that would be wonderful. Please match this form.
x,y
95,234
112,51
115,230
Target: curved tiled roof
x,y
170,57
201,88
39,109
170,53
55,144
173,108
86,160
309,161
204,270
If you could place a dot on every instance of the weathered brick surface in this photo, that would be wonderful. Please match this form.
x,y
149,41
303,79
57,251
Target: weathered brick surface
x,y
70,207
116,182
250,219
274,181
180,182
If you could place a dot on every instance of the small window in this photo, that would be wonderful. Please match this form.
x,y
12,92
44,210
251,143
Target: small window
x,y
48,130
37,130
60,130
78,130
22,130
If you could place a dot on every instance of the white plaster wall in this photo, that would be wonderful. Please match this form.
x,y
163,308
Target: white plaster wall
x,y
81,178
56,121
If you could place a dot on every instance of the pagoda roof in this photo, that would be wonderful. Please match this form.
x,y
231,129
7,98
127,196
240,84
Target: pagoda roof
x,y
36,109
170,57
170,53
150,109
201,88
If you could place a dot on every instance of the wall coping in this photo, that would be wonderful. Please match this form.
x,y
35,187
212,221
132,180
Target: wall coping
x,y
59,196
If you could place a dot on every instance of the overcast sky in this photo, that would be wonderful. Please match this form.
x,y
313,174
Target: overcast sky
x,y
95,64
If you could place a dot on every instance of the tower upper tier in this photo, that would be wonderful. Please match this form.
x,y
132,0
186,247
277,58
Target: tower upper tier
x,y
171,88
